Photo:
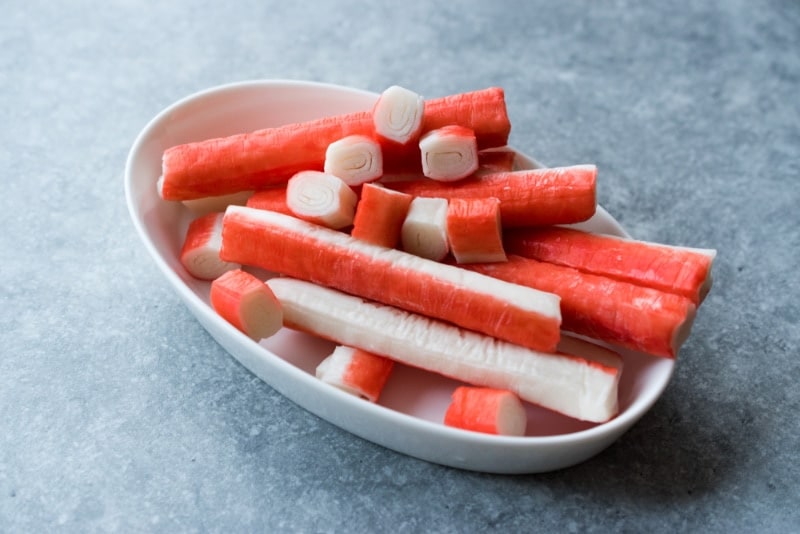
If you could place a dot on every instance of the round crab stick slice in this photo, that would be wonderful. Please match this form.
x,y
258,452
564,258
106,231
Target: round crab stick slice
x,y
398,115
474,231
487,410
247,303
200,251
356,371
321,198
424,231
356,159
449,153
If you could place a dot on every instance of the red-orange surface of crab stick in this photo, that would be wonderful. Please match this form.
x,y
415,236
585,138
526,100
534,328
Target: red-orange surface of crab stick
x,y
560,195
628,315
487,410
680,270
247,303
259,159
296,248
379,217
474,230
356,371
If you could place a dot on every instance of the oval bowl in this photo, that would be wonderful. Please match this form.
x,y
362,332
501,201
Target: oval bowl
x,y
408,416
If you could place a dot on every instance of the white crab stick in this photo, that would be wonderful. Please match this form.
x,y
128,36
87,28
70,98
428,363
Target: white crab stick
x,y
356,159
449,153
321,198
424,230
576,386
398,115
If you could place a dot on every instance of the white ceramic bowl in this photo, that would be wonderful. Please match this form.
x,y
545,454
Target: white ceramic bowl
x,y
408,418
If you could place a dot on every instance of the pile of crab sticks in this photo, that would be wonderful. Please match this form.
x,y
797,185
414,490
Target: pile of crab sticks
x,y
407,233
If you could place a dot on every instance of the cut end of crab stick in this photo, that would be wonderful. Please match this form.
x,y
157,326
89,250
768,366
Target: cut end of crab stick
x,y
449,153
200,251
398,115
247,303
424,231
572,385
356,371
474,230
321,198
356,159
487,410
379,217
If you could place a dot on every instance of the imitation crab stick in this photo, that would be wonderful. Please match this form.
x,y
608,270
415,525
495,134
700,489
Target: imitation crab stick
x,y
474,230
629,315
424,230
200,251
296,248
272,198
449,153
533,197
398,115
680,270
204,206
247,303
487,410
259,159
356,371
356,159
321,198
583,386
379,217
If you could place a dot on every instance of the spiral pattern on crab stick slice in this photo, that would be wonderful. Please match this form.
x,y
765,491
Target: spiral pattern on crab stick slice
x,y
355,159
449,153
581,381
297,248
321,198
398,115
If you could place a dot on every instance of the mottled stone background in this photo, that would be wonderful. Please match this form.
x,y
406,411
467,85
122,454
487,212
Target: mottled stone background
x,y
119,412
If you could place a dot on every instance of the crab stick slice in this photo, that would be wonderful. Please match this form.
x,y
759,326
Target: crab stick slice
x,y
356,371
424,231
200,251
398,115
532,197
263,158
487,410
628,315
584,387
380,214
356,159
247,303
296,248
474,230
321,198
449,153
681,270
273,199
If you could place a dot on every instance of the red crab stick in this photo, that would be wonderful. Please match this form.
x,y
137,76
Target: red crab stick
x,y
296,248
200,251
584,387
533,197
273,198
684,271
379,217
247,303
487,410
356,371
255,160
474,230
629,315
